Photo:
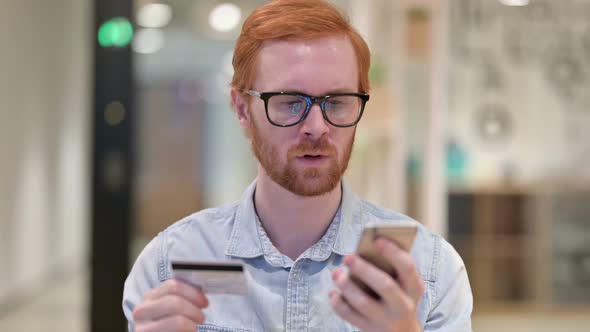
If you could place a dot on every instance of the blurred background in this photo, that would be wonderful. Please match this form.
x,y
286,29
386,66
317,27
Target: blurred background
x,y
115,122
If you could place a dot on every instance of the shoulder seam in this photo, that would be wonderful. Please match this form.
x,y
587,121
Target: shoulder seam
x,y
435,265
383,213
162,255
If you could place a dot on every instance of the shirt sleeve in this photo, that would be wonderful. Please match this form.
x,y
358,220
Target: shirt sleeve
x,y
451,297
145,275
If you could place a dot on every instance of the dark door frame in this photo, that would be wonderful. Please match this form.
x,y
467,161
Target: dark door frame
x,y
112,172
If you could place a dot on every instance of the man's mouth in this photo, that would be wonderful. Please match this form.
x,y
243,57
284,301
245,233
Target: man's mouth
x,y
312,159
313,155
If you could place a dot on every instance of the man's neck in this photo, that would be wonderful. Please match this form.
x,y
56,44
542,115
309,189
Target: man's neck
x,y
293,223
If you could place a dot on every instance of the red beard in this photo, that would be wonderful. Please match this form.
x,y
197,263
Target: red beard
x,y
311,181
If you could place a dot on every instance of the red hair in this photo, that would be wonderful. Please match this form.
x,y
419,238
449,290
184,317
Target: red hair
x,y
294,20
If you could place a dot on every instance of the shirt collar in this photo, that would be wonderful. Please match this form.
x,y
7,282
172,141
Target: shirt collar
x,y
248,238
244,241
351,222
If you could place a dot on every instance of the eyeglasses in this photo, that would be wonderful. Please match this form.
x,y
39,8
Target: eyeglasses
x,y
286,109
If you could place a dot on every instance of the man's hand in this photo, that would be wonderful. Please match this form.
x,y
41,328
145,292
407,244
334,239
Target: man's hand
x,y
174,306
396,310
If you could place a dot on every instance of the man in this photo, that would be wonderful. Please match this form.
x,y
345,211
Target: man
x,y
298,224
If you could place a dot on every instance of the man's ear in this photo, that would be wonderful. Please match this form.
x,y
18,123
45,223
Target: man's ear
x,y
240,105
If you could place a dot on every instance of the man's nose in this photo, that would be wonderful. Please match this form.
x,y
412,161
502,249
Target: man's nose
x,y
314,125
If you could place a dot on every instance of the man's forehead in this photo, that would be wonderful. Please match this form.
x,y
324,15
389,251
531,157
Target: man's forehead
x,y
306,47
289,63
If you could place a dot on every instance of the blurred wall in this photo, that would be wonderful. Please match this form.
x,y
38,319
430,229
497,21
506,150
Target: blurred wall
x,y
44,141
519,104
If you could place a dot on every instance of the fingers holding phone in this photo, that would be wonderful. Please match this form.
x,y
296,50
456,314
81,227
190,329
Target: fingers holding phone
x,y
174,306
407,275
382,287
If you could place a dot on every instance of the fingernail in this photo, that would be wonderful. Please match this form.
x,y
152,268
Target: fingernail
x,y
349,260
335,274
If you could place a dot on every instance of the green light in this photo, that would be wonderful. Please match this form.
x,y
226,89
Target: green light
x,y
116,32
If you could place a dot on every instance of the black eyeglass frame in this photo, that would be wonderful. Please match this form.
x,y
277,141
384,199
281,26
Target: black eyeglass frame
x,y
310,100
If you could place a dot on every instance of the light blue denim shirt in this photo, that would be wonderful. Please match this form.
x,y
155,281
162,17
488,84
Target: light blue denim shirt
x,y
287,295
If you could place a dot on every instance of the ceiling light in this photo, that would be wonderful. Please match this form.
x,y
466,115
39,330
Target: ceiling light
x,y
148,41
225,17
514,2
154,15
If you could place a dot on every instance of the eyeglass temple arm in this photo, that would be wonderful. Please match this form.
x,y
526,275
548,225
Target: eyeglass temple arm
x,y
252,93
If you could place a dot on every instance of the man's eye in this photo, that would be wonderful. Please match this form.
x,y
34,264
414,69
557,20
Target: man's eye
x,y
292,107
336,104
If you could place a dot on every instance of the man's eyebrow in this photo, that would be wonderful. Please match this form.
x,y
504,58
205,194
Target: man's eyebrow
x,y
342,90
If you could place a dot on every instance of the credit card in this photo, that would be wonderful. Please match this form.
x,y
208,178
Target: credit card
x,y
214,277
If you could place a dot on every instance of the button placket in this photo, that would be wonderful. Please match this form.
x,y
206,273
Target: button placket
x,y
297,297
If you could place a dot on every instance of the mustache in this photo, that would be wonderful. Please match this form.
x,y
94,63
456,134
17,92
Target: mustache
x,y
312,147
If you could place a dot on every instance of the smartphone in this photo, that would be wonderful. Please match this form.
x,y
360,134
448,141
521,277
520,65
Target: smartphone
x,y
402,235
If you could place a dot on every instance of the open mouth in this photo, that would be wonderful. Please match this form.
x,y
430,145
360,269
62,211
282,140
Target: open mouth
x,y
312,159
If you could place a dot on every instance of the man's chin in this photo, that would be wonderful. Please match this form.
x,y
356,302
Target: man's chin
x,y
310,186
311,191
304,181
